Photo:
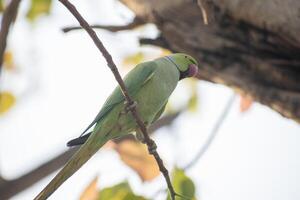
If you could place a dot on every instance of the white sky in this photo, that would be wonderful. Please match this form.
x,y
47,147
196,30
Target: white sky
x,y
62,81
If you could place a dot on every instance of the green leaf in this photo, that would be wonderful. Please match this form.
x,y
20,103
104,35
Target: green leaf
x,y
37,8
183,185
121,191
1,6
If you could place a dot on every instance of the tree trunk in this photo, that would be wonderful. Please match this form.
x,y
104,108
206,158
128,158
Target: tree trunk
x,y
252,46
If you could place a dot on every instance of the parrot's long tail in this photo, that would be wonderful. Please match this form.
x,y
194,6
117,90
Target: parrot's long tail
x,y
86,151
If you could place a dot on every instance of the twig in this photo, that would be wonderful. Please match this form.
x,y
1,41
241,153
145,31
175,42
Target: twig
x,y
8,17
131,104
135,23
159,41
213,133
11,187
203,11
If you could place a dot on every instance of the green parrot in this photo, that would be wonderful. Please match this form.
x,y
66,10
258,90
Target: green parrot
x,y
149,84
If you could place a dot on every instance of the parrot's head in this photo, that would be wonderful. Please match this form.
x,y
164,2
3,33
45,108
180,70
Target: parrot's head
x,y
187,65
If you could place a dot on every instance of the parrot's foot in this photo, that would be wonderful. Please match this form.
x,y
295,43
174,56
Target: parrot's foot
x,y
151,144
140,137
128,106
152,148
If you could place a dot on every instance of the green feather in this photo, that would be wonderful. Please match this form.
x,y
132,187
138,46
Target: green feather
x,y
143,73
159,113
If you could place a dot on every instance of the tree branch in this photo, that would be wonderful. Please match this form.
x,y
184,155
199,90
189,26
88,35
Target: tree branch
x,y
203,11
239,48
2,182
159,41
135,23
8,17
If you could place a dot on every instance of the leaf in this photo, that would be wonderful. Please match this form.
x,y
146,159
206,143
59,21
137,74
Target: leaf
x,y
7,100
1,6
136,156
246,102
91,192
134,59
182,184
8,62
37,8
121,191
109,145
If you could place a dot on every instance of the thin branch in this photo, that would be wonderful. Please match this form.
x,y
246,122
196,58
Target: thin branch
x,y
2,181
12,187
213,133
8,18
159,41
135,23
203,11
131,104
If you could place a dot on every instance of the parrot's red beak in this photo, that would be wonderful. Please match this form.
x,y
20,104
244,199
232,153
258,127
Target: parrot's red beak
x,y
193,70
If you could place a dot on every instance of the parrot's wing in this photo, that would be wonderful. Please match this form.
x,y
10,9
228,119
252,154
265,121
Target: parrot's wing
x,y
134,81
81,140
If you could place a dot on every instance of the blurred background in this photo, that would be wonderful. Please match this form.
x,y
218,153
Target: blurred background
x,y
53,84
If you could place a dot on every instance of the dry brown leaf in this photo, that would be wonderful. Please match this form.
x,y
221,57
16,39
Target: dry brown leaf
x,y
8,61
109,145
136,156
246,102
91,192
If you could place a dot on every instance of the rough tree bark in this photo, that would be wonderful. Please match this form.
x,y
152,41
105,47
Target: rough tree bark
x,y
252,46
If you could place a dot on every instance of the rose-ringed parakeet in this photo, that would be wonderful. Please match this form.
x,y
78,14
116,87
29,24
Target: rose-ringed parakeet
x,y
149,84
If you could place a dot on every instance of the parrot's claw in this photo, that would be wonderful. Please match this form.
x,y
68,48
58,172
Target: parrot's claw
x,y
128,106
140,137
152,148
